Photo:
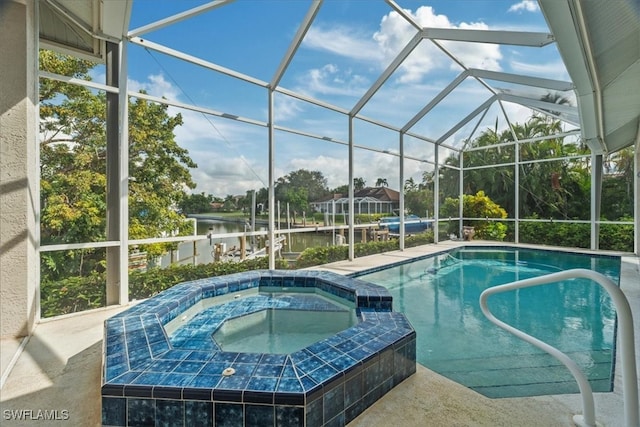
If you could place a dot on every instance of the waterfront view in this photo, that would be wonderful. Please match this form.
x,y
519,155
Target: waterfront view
x,y
217,229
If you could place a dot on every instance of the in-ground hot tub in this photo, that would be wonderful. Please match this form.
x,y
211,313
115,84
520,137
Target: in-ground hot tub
x,y
170,359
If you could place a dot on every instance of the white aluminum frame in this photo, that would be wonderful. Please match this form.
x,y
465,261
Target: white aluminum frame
x,y
568,114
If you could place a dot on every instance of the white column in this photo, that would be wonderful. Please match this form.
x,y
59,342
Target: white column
x,y
401,191
272,191
461,195
596,197
436,196
114,286
636,196
351,192
517,194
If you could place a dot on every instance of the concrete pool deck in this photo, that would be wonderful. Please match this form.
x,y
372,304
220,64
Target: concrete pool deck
x,y
59,371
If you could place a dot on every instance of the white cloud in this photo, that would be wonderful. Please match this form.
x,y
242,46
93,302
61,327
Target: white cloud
x,y
215,144
220,175
155,86
386,167
525,6
392,37
287,108
334,169
197,126
393,34
395,31
342,41
330,80
517,114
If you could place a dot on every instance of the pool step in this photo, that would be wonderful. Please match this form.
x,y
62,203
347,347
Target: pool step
x,y
526,374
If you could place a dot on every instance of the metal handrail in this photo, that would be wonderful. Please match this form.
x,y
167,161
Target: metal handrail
x,y
625,332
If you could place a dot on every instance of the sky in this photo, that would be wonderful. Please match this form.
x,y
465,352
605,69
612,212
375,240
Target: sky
x,y
349,45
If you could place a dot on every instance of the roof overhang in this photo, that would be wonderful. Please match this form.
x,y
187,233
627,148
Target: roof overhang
x,y
82,28
600,46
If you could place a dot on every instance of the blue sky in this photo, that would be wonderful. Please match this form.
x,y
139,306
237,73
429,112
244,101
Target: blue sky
x,y
349,45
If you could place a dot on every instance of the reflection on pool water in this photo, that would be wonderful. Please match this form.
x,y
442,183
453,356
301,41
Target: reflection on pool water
x,y
440,297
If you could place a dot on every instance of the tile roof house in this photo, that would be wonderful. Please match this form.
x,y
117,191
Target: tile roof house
x,y
369,200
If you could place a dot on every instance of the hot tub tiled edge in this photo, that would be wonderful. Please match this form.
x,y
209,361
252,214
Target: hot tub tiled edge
x,y
330,382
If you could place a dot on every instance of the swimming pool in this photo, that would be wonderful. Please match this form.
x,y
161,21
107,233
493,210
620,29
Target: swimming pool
x,y
440,293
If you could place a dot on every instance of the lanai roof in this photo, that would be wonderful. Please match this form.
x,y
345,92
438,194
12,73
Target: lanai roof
x,y
599,43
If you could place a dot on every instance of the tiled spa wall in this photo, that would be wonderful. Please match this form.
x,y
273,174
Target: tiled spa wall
x,y
149,381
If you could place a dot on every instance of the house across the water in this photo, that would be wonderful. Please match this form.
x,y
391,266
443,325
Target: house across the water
x,y
369,200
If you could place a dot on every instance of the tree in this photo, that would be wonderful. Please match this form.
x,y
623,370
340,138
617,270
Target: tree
x,y
617,185
410,185
419,201
196,203
418,197
382,182
159,173
497,182
229,203
555,98
549,189
73,169
299,188
359,183
262,199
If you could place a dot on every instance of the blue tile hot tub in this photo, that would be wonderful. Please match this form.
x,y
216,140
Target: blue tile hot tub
x,y
165,362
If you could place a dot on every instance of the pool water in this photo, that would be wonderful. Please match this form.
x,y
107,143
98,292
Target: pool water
x,y
440,297
280,331
254,321
282,323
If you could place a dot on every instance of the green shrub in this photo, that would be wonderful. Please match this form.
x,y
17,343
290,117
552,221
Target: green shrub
x,y
556,234
75,294
324,255
478,206
617,237
614,237
359,218
72,294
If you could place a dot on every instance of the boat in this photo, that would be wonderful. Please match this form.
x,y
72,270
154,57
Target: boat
x,y
412,224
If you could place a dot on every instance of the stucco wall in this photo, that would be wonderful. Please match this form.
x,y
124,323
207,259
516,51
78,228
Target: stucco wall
x,y
19,264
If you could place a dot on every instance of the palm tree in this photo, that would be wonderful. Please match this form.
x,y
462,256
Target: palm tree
x,y
410,185
555,98
382,182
